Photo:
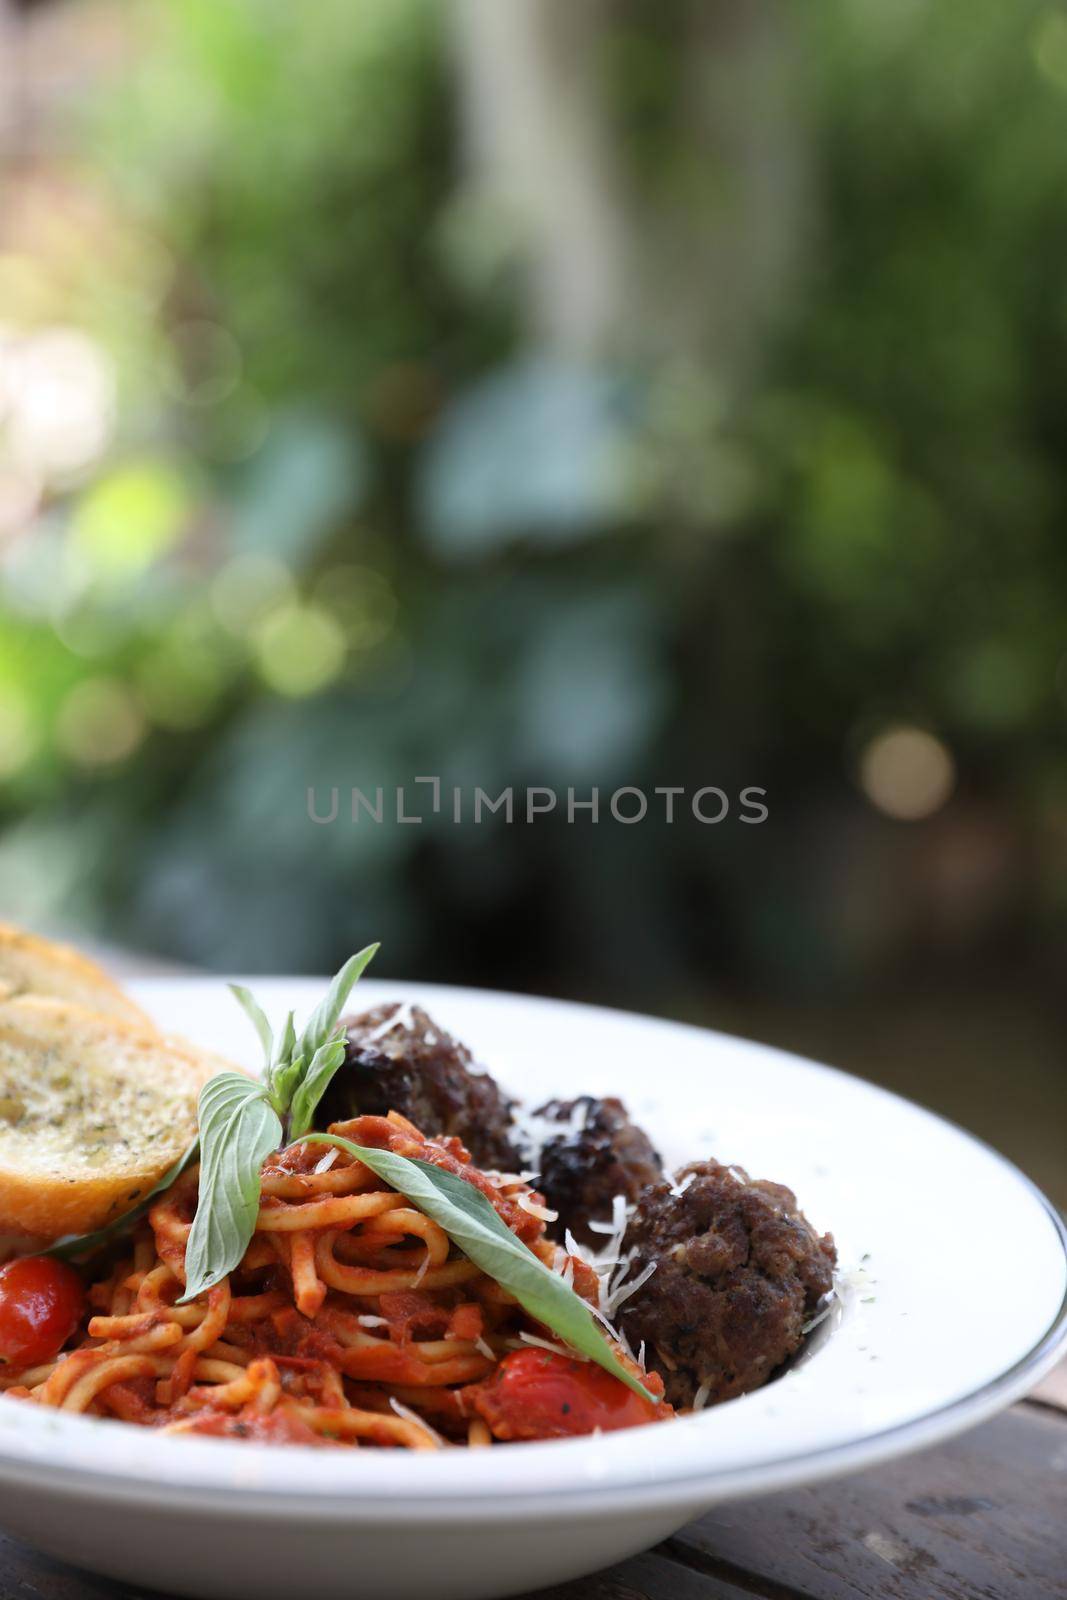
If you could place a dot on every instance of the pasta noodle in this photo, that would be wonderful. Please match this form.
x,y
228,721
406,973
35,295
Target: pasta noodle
x,y
352,1319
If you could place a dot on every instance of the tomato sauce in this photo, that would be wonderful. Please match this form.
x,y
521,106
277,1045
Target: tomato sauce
x,y
537,1394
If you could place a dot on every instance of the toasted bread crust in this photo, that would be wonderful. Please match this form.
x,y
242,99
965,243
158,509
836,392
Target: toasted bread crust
x,y
93,1111
32,965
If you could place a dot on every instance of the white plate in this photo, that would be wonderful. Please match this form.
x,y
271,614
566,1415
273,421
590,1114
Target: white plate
x,y
955,1306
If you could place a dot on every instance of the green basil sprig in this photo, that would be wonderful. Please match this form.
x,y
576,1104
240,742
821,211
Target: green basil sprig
x,y
476,1227
243,1119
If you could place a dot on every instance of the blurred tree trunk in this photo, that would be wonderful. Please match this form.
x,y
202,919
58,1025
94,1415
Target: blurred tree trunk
x,y
689,251
538,144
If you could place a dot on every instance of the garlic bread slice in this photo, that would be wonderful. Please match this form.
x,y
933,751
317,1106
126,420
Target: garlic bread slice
x,y
32,965
93,1111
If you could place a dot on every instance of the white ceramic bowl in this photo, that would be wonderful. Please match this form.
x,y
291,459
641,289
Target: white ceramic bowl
x,y
925,1342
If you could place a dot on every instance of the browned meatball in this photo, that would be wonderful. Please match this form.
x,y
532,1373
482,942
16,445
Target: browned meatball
x,y
739,1270
586,1151
398,1059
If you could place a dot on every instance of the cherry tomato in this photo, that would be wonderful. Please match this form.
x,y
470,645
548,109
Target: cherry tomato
x,y
536,1394
41,1303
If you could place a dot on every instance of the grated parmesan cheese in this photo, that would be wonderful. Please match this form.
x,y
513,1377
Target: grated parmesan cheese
x,y
820,1316
419,1422
619,1291
615,1230
533,1132
529,1204
548,1344
401,1017
509,1180
571,1245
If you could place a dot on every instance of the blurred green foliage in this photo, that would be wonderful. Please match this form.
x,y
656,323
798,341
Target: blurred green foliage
x,y
353,523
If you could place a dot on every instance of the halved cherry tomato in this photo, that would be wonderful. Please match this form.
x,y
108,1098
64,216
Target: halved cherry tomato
x,y
41,1303
536,1394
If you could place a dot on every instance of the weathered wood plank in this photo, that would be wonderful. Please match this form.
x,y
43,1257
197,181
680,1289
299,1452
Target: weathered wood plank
x,y
653,1576
25,1575
983,1517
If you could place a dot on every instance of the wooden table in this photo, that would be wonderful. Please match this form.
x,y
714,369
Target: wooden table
x,y
981,1518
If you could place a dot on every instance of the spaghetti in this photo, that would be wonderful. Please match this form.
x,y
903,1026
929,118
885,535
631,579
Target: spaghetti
x,y
352,1320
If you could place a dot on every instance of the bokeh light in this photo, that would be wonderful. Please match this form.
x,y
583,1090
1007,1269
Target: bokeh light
x,y
100,723
129,518
247,588
907,773
301,649
59,389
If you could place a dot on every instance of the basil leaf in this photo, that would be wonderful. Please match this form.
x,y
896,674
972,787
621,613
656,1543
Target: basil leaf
x,y
324,1018
283,1050
251,1006
316,1080
471,1222
73,1245
238,1129
298,1072
283,1084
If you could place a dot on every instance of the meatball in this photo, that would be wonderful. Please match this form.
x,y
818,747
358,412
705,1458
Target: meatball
x,y
586,1151
738,1271
398,1059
